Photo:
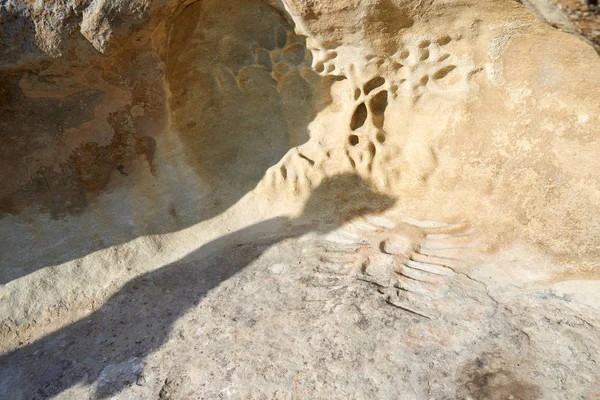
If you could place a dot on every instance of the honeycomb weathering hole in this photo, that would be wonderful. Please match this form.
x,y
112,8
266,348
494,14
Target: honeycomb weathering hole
x,y
443,72
373,84
378,105
359,117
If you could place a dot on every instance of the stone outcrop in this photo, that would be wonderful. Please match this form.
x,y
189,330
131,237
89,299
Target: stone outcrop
x,y
579,17
420,176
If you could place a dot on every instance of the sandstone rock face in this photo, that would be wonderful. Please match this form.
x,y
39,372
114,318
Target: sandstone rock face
x,y
313,199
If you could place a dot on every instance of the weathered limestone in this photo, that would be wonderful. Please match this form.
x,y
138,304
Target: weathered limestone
x,y
320,199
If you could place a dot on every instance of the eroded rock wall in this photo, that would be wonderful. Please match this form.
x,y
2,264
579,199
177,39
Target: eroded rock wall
x,y
134,132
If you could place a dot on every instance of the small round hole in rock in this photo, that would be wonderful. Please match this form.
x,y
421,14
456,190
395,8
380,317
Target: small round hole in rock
x,y
373,84
359,117
444,40
356,93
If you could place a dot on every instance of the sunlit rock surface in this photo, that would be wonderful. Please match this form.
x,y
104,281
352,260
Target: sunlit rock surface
x,y
297,199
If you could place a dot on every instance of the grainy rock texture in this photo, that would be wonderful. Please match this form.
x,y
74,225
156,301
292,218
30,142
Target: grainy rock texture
x,y
298,199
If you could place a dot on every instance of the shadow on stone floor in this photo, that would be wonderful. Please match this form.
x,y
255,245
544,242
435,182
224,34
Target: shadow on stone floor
x,y
138,319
